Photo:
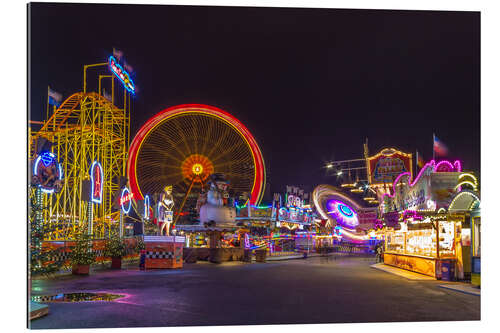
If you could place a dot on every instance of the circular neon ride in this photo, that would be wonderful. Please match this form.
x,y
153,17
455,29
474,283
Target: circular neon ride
x,y
342,213
182,145
339,209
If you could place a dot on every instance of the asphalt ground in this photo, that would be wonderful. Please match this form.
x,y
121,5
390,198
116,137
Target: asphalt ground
x,y
340,289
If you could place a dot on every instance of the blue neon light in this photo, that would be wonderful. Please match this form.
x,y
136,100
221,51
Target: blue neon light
x,y
146,207
126,211
47,158
121,74
346,211
101,185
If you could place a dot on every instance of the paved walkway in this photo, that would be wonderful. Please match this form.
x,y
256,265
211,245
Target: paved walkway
x,y
402,272
329,289
463,288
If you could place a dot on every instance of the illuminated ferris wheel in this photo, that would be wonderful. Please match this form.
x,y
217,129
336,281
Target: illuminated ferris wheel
x,y
183,145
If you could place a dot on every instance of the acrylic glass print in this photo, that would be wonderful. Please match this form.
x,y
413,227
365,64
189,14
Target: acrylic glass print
x,y
193,166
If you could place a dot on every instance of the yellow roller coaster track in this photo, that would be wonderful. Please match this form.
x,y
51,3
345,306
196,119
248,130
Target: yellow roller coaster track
x,y
86,127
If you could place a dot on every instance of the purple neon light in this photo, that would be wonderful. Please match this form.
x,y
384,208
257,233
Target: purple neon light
x,y
335,208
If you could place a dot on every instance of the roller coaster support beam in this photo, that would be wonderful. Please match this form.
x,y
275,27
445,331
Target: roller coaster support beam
x,y
85,73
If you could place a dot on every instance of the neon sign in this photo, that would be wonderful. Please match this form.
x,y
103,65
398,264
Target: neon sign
x,y
146,207
345,215
96,180
126,198
293,201
48,174
121,74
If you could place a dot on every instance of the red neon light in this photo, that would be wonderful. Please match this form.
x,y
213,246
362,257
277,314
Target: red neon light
x,y
143,132
126,198
97,183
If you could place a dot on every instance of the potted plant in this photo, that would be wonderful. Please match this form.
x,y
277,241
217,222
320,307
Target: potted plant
x,y
115,248
82,255
140,248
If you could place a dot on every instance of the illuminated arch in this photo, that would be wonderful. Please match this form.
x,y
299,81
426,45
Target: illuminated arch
x,y
465,200
258,186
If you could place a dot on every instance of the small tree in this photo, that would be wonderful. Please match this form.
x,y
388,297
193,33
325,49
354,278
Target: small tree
x,y
115,247
139,245
82,253
43,261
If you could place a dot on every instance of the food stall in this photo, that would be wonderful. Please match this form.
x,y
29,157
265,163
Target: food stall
x,y
432,235
428,245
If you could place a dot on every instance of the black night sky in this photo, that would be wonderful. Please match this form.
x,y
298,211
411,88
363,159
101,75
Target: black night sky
x,y
310,84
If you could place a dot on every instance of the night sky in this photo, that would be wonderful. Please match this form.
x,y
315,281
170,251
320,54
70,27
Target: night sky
x,y
310,84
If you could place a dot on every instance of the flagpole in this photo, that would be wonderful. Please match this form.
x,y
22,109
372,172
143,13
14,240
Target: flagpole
x,y
48,90
416,163
433,141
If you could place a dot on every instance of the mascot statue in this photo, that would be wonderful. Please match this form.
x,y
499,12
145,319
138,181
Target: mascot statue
x,y
217,208
165,210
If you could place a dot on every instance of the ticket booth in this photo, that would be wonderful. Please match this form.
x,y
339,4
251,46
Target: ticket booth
x,y
163,251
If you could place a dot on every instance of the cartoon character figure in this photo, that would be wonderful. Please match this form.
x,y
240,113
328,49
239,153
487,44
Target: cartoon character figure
x,y
218,207
166,209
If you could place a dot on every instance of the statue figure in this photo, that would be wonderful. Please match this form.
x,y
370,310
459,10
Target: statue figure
x,y
217,207
166,206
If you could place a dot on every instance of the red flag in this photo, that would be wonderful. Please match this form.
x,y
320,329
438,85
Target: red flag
x,y
439,147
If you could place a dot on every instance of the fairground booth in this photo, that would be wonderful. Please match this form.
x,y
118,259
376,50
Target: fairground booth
x,y
292,231
434,222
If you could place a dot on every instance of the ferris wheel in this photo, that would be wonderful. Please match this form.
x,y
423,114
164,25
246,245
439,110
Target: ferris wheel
x,y
183,145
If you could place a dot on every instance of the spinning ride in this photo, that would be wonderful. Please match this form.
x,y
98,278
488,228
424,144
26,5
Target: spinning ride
x,y
183,145
340,211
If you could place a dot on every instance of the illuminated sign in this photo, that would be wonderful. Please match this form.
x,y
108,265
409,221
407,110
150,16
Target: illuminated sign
x,y
121,74
293,201
126,200
387,165
97,183
47,173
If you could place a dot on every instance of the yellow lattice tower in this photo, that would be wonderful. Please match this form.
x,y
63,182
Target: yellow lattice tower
x,y
86,127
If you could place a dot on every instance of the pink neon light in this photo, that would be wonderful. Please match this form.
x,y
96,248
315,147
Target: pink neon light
x,y
455,166
439,166
412,213
429,164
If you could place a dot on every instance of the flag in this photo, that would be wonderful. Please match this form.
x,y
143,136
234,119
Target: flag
x,y
439,147
117,54
55,98
420,160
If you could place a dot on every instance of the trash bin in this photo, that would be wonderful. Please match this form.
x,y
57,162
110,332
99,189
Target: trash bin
x,y
260,255
447,270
